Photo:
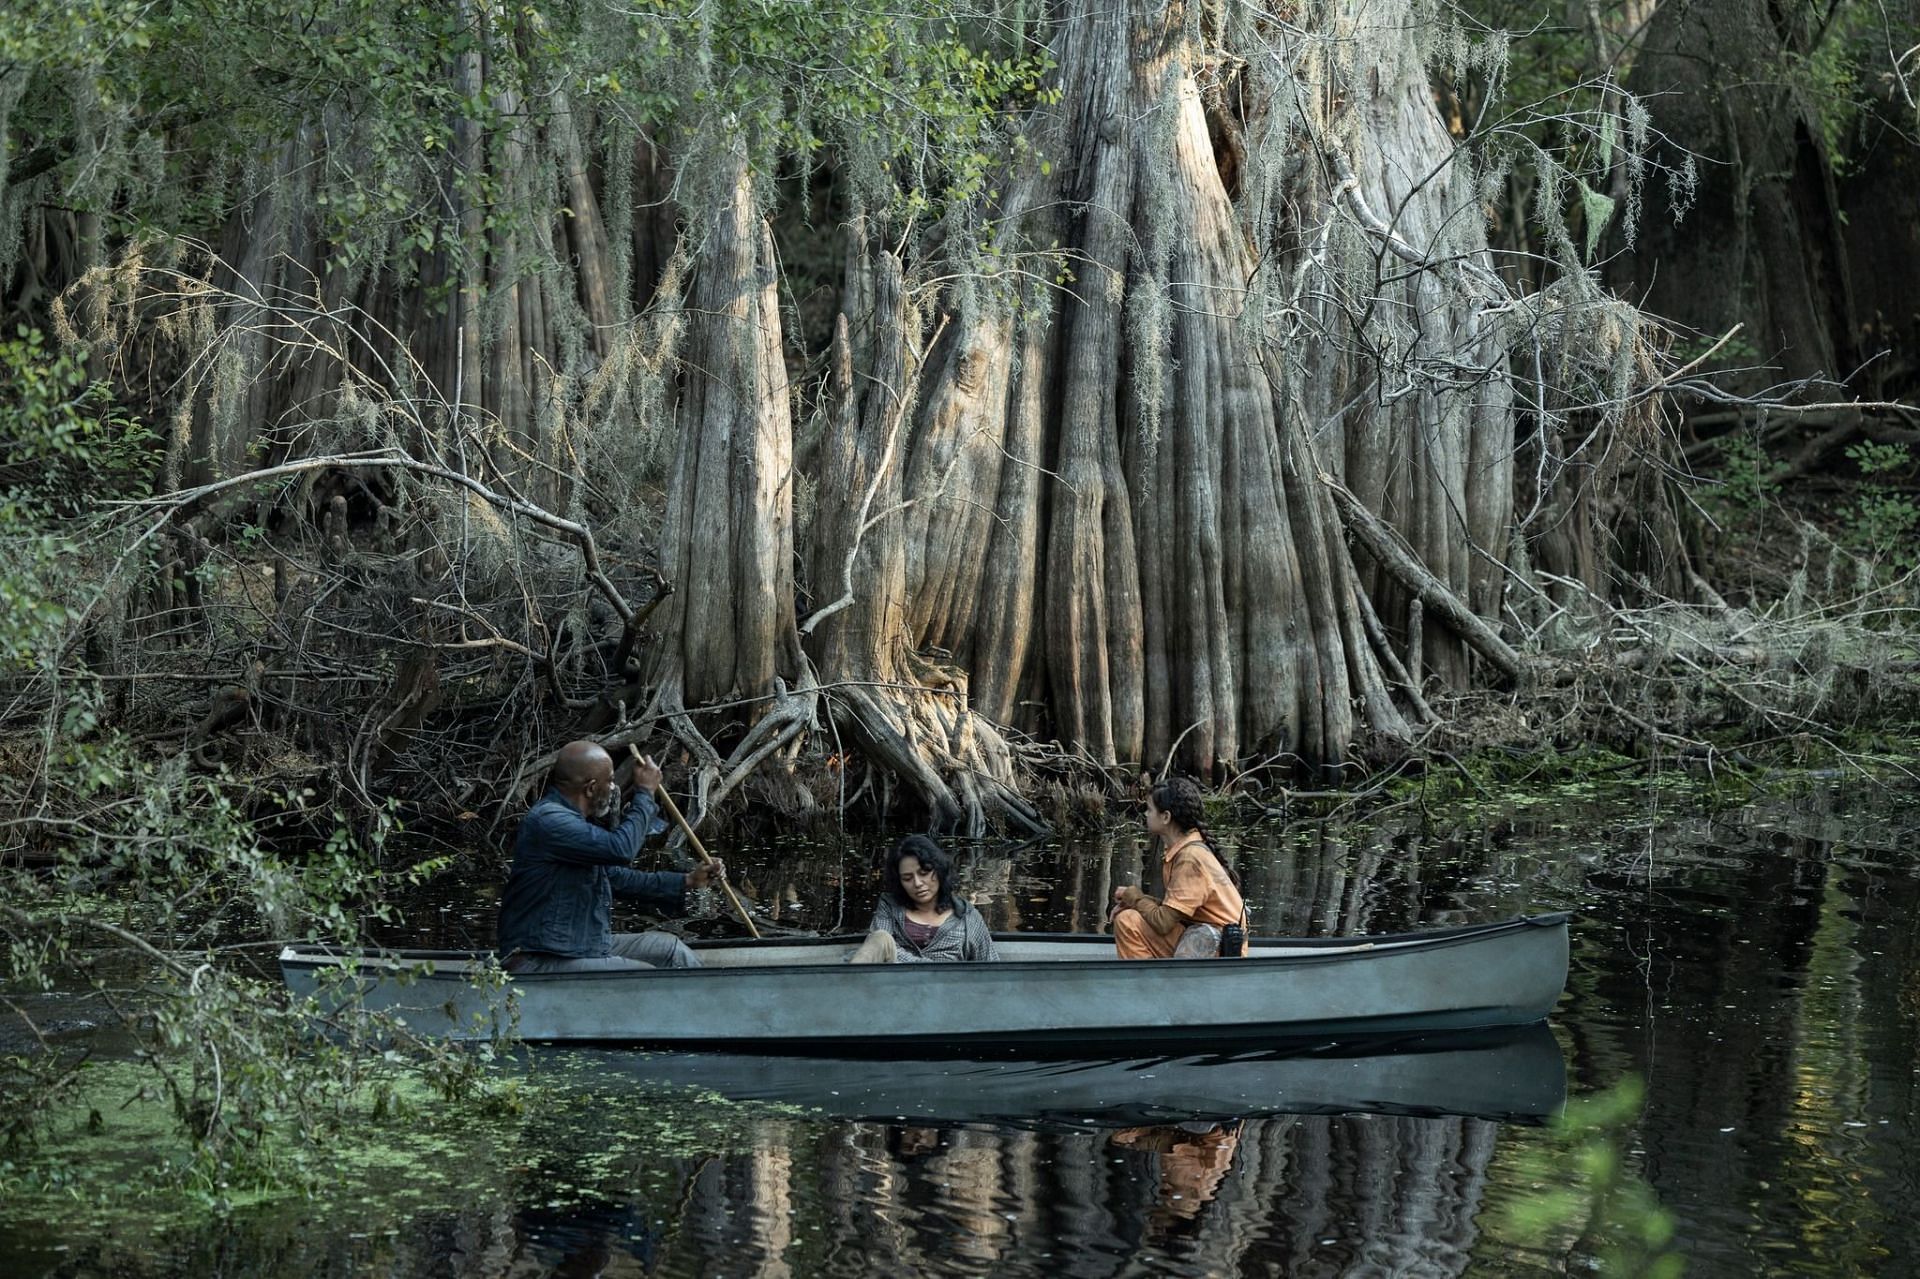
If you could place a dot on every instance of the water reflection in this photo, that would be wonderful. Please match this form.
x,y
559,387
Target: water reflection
x,y
1758,965
1296,1195
1513,1073
583,1240
1194,1158
1292,1195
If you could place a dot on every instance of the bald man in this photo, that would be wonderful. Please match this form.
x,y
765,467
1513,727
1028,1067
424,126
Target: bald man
x,y
556,914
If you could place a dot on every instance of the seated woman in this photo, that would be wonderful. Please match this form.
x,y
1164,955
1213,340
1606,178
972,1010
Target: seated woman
x,y
1202,889
919,920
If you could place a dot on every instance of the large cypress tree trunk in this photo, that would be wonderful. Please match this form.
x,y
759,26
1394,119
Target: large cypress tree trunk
x,y
1817,255
728,631
909,713
1412,410
1117,509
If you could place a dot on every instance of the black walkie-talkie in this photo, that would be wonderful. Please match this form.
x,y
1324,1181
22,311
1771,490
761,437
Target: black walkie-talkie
x,y
1233,940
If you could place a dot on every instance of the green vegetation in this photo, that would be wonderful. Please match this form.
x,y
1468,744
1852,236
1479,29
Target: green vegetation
x,y
163,118
63,445
1505,782
131,922
113,1139
1883,522
1585,1188
1840,73
112,1165
142,869
1746,484
1561,147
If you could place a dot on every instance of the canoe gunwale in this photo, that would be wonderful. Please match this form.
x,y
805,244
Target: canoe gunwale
x,y
1346,949
1282,1036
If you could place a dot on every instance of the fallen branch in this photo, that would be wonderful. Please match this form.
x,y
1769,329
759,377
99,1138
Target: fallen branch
x,y
1660,384
1387,549
1404,675
173,504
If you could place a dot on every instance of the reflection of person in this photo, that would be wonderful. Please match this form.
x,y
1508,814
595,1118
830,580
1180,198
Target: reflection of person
x,y
1201,887
913,1142
1194,1160
919,918
556,911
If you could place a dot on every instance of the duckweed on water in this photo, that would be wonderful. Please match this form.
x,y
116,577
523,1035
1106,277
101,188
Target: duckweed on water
x,y
122,1174
1493,784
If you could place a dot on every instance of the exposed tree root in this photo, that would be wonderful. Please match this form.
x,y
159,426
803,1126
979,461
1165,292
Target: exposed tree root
x,y
714,778
960,766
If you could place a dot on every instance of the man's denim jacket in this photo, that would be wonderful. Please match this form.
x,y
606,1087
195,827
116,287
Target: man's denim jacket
x,y
566,873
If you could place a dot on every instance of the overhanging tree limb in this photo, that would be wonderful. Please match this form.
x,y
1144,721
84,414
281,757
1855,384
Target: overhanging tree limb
x,y
392,459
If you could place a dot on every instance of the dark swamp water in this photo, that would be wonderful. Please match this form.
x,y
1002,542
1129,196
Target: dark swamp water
x,y
1756,962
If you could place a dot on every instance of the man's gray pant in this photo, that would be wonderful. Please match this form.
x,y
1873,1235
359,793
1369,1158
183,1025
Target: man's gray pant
x,y
630,950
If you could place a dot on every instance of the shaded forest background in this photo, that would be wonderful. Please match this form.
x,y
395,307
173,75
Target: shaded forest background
x,y
942,414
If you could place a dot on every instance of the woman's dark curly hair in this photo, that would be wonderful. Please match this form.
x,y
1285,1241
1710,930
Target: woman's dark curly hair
x,y
1179,798
928,854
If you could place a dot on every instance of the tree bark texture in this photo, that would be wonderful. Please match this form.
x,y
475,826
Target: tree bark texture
x,y
1195,591
727,540
1069,480
907,711
1817,254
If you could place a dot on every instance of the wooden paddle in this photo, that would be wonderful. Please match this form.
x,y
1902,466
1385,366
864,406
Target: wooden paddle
x,y
673,811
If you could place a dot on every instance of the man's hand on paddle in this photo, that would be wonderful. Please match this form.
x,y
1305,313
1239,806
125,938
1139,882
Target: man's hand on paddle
x,y
646,775
706,873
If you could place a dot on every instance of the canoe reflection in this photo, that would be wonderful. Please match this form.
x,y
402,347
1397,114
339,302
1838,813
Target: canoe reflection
x,y
1515,1074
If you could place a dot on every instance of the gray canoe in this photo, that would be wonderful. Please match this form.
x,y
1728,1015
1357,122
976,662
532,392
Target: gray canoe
x,y
1509,1073
1051,989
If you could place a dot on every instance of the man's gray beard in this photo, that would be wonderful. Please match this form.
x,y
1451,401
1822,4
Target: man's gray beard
x,y
603,808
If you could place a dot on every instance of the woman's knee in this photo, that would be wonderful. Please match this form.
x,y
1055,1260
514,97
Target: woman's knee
x,y
1134,938
878,948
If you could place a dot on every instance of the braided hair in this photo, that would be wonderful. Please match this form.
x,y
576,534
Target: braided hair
x,y
1179,799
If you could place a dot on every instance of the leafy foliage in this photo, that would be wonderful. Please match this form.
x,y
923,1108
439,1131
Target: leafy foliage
x,y
130,919
1746,476
905,96
130,872
63,440
1584,1185
1542,106
1839,69
165,117
1883,522
63,444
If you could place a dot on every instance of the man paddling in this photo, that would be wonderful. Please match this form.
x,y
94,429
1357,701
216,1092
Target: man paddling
x,y
556,912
